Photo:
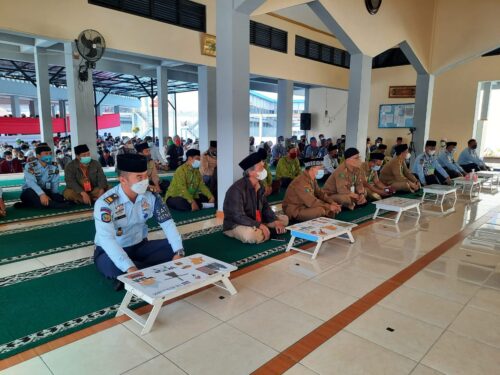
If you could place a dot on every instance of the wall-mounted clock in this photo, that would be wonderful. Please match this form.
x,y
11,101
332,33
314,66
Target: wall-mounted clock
x,y
373,5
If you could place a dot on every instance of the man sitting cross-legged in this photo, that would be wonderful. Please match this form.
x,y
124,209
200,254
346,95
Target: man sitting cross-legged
x,y
304,199
247,214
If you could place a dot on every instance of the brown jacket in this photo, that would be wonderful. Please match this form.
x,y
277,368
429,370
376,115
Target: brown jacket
x,y
304,192
74,175
396,171
342,179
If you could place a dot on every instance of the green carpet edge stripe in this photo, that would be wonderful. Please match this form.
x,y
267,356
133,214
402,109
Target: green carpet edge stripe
x,y
52,213
76,245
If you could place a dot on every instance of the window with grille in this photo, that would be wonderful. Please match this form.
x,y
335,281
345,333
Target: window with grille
x,y
268,37
316,51
183,13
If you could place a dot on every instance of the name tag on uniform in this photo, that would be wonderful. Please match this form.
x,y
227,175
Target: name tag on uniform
x,y
353,189
258,216
48,185
87,186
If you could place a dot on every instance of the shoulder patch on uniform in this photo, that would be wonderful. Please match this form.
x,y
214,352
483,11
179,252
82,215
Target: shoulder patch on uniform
x,y
105,217
111,198
161,211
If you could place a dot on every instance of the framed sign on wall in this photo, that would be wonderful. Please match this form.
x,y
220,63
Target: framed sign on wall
x,y
402,91
396,115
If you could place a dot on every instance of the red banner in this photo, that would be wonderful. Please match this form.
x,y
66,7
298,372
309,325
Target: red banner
x,y
28,125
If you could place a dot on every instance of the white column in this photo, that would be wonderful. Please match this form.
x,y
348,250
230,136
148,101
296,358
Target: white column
x,y
233,124
34,107
285,108
43,96
162,91
207,107
15,106
423,108
306,100
358,101
81,103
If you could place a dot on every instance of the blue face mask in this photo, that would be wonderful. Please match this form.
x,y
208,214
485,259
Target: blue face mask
x,y
320,174
46,159
85,160
376,168
196,164
150,144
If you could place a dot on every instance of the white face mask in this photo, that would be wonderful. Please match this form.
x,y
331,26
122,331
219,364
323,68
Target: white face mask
x,y
432,152
408,156
262,175
140,187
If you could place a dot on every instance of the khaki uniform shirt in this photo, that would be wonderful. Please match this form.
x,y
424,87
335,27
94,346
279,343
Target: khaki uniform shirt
x,y
341,181
153,172
304,192
208,164
396,171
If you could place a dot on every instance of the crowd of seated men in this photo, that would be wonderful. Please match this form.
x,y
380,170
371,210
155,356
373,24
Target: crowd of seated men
x,y
318,178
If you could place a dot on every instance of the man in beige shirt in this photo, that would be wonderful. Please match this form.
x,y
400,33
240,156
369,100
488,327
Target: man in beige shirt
x,y
345,185
396,174
209,162
304,199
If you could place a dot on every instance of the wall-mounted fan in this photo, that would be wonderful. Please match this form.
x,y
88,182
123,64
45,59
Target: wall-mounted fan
x,y
91,46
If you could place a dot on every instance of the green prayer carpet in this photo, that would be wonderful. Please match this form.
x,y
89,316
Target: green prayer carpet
x,y
27,244
45,308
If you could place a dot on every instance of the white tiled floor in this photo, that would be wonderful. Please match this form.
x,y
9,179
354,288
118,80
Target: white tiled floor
x,y
445,319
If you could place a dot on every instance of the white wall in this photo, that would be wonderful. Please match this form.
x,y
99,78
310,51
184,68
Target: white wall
x,y
328,109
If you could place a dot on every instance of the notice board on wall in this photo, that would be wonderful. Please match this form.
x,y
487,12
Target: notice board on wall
x,y
396,115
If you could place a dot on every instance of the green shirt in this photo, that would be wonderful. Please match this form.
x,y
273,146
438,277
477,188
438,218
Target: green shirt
x,y
269,179
187,183
289,168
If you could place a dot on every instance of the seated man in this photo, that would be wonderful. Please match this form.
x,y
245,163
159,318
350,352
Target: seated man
x,y
155,184
447,161
3,210
288,167
378,142
10,164
62,159
399,140
304,199
41,182
247,215
106,159
382,149
375,189
278,151
396,174
120,220
469,159
85,179
156,155
427,168
187,192
331,161
345,185
312,150
209,163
